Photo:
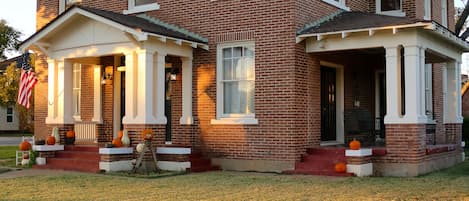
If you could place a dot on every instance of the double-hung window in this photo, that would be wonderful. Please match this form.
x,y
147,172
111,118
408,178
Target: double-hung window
x,y
235,83
428,91
389,7
65,4
139,6
76,90
338,3
9,114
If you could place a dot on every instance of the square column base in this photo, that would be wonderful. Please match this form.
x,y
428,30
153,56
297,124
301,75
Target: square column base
x,y
361,170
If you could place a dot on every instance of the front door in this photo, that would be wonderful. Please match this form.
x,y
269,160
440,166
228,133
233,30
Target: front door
x,y
167,111
328,104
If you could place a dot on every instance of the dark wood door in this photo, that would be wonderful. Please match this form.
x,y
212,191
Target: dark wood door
x,y
167,109
328,104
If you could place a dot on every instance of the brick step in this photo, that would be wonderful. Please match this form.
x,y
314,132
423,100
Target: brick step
x,y
78,155
70,164
200,164
317,166
82,148
319,172
323,158
326,150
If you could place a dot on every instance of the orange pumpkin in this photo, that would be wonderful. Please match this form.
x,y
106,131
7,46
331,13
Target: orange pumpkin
x,y
117,142
120,134
25,146
147,134
354,144
340,168
70,134
50,140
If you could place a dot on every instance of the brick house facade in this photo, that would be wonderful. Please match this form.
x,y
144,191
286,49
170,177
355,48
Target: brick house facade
x,y
279,112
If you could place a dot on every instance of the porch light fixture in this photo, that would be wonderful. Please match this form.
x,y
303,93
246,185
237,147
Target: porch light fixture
x,y
107,75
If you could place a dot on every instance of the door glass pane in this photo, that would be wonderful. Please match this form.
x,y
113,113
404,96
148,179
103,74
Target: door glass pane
x,y
143,2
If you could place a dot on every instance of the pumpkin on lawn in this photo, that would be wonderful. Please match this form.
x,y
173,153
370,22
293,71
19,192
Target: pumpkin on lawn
x,y
117,142
147,134
50,140
340,168
25,145
354,144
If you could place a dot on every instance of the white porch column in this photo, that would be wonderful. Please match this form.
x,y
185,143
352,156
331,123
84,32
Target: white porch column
x,y
160,87
97,114
51,91
186,91
130,88
145,97
452,102
459,116
64,93
414,75
392,84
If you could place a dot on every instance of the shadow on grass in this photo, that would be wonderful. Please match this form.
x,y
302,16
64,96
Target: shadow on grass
x,y
152,175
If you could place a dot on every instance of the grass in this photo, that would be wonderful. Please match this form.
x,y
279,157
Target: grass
x,y
450,184
8,156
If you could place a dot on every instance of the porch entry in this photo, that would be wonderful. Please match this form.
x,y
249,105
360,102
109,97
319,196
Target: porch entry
x,y
328,104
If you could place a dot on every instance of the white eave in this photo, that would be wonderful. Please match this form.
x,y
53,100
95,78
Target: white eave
x,y
436,28
137,34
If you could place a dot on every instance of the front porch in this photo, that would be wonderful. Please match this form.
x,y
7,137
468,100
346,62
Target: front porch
x,y
395,85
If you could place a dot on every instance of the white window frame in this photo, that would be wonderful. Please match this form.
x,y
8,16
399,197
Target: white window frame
x,y
63,4
77,73
396,13
429,92
222,118
132,8
10,115
428,10
444,13
339,4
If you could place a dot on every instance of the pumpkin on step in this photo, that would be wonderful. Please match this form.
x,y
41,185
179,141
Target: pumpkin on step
x,y
70,137
354,144
117,142
25,146
340,168
147,134
120,134
50,140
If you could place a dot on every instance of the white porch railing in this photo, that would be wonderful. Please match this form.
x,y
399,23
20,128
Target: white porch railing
x,y
85,133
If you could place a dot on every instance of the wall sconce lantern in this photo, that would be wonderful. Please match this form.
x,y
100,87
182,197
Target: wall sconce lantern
x,y
107,75
174,72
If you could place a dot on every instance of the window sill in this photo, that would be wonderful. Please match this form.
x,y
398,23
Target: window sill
x,y
395,13
337,4
141,9
234,121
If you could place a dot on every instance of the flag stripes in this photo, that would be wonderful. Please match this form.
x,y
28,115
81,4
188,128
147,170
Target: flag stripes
x,y
27,81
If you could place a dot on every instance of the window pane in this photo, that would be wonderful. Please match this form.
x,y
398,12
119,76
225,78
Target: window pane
x,y
227,53
9,119
227,70
237,51
249,52
143,2
9,111
237,69
231,98
389,5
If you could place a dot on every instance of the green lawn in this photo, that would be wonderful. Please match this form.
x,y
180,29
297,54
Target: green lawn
x,y
449,184
7,156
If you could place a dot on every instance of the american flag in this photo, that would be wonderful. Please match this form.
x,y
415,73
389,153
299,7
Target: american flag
x,y
27,81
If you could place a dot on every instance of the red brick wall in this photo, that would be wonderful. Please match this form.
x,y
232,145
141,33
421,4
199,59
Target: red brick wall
x,y
405,143
438,112
87,93
355,5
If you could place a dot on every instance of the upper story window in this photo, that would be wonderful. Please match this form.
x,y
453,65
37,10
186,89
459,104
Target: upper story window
x,y
390,7
9,114
235,83
64,4
428,10
444,13
139,6
338,3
